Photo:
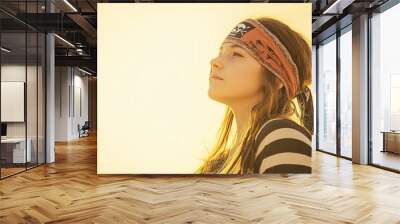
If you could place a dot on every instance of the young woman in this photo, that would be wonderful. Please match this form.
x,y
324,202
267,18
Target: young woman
x,y
262,74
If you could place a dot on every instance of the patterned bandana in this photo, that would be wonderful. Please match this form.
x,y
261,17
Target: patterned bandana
x,y
267,50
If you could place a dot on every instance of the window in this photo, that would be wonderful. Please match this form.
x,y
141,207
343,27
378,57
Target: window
x,y
346,92
327,95
385,89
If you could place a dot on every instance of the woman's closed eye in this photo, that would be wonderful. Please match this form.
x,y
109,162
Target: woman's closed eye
x,y
237,54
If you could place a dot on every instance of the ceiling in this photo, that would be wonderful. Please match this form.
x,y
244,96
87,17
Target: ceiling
x,y
76,22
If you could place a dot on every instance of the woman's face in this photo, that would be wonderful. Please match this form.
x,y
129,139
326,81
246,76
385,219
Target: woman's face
x,y
234,75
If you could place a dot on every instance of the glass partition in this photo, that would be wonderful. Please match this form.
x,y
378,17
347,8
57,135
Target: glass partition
x,y
41,107
13,105
22,67
32,95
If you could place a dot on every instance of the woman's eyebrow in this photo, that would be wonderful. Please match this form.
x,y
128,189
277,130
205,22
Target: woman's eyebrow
x,y
232,46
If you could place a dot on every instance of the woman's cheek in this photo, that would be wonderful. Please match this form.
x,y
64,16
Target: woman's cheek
x,y
239,85
248,77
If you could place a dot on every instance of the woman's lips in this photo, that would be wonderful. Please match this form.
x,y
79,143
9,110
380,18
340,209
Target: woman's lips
x,y
216,77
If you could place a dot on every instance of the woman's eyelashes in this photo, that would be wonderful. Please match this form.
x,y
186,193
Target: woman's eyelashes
x,y
237,54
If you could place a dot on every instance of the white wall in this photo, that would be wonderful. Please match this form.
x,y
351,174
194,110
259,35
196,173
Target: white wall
x,y
80,83
70,84
62,78
17,72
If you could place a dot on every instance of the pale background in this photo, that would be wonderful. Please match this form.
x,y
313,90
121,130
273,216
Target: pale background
x,y
154,114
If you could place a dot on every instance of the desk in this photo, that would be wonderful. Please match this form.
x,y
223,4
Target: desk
x,y
18,151
391,141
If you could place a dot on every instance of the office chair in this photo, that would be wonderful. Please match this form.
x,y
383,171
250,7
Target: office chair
x,y
84,130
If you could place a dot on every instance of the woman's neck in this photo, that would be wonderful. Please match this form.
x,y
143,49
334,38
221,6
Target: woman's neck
x,y
242,113
242,117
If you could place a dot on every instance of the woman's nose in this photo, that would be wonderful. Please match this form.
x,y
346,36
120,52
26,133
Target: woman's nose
x,y
216,62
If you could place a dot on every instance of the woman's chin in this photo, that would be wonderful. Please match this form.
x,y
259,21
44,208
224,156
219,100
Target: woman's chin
x,y
216,97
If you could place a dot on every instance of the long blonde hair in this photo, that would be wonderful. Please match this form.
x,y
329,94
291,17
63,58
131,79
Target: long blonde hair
x,y
224,158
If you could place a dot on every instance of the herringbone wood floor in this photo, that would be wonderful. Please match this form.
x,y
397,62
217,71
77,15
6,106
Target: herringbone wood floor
x,y
69,191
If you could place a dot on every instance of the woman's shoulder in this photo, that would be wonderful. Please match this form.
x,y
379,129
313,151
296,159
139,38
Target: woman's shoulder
x,y
283,146
285,126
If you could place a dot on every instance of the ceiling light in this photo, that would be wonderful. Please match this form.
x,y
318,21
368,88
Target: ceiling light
x,y
84,71
70,5
5,50
64,40
338,6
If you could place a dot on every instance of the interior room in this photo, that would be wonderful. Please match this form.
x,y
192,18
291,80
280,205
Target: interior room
x,y
50,141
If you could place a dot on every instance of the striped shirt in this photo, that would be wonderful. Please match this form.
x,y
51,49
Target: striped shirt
x,y
283,146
